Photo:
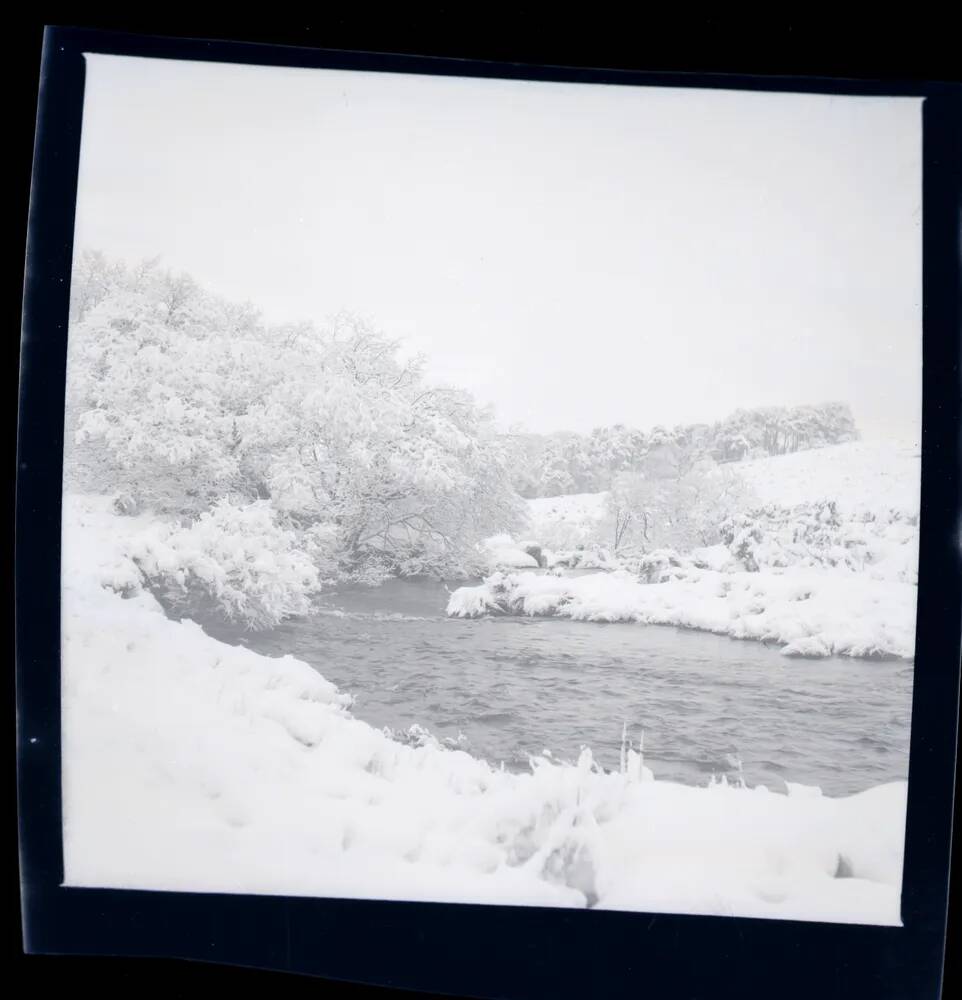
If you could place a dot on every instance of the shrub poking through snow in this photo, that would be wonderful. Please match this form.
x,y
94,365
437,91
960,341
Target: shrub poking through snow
x,y
819,534
657,566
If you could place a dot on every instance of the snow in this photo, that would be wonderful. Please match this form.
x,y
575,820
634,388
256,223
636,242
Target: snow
x,y
566,521
195,766
715,557
825,564
857,475
810,613
500,551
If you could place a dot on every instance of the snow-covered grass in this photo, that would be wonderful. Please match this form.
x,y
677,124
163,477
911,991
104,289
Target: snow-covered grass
x,y
860,475
192,765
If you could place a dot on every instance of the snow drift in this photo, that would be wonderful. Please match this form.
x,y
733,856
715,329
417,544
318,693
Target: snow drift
x,y
192,765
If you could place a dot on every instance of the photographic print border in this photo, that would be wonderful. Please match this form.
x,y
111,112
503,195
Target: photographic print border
x,y
465,948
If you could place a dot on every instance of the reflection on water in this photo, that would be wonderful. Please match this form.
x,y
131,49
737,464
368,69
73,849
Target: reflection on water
x,y
516,686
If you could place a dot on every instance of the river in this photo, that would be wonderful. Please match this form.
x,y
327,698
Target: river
x,y
504,688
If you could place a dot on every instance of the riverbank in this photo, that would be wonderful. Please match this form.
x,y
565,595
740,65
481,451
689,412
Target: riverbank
x,y
823,563
809,613
193,765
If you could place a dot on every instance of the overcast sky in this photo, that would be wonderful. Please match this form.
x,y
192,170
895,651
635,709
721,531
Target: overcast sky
x,y
576,255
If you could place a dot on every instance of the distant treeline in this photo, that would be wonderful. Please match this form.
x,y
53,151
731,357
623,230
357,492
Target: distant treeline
x,y
556,464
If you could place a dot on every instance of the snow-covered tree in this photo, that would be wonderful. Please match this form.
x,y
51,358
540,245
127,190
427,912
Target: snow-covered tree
x,y
677,504
179,401
548,465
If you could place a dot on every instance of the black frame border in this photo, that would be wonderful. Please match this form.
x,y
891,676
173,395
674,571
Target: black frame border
x,y
462,948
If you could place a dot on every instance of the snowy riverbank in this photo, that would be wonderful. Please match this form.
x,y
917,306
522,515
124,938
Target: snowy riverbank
x,y
809,613
193,765
825,563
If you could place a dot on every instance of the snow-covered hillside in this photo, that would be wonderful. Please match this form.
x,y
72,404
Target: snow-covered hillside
x,y
872,475
192,765
869,475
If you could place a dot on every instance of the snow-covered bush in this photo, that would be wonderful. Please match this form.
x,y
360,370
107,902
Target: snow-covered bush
x,y
819,533
564,463
657,566
672,502
235,559
584,557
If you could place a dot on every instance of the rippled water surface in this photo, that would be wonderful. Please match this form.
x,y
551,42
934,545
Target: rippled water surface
x,y
511,687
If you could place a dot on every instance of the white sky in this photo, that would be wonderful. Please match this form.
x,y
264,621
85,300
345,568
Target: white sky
x,y
576,255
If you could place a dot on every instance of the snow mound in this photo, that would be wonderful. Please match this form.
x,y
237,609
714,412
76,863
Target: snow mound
x,y
502,552
194,766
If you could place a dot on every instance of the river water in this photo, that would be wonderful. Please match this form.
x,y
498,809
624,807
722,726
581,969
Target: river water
x,y
504,688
